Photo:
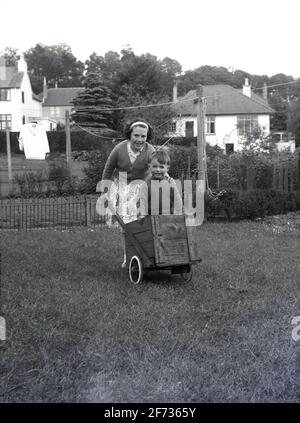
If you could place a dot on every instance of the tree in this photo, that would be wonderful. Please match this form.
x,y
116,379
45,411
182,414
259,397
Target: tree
x,y
87,104
57,63
159,116
145,74
107,66
11,56
294,120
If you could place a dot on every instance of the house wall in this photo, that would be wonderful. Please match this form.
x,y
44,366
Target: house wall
x,y
56,113
12,107
225,130
15,107
31,108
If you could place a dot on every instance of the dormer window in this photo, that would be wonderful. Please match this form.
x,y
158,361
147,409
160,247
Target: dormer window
x,y
5,94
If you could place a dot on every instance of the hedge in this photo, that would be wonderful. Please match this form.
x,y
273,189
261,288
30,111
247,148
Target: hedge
x,y
250,204
57,142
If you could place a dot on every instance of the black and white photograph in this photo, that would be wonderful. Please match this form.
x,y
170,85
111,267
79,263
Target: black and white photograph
x,y
149,205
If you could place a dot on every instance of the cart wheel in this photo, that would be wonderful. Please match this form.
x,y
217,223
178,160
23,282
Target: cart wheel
x,y
135,270
187,275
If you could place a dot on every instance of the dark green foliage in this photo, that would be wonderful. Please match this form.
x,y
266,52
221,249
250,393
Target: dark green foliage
x,y
294,121
144,74
11,56
57,63
93,172
14,144
250,204
88,103
58,176
29,184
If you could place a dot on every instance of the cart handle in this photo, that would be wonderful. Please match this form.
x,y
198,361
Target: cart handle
x,y
135,243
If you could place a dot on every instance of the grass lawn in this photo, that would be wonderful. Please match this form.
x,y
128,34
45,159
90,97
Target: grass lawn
x,y
77,330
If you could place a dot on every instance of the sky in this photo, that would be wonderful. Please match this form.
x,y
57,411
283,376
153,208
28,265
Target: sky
x,y
258,36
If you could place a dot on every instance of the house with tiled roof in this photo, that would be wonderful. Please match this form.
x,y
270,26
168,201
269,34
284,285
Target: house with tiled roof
x,y
56,101
18,104
230,114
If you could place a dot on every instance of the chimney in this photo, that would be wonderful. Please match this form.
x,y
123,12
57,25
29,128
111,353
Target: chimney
x,y
45,90
22,65
247,88
175,91
265,92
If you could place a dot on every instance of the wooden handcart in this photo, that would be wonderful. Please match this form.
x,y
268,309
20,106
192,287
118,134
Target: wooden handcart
x,y
162,242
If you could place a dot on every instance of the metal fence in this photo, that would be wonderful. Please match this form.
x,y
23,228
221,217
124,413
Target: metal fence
x,y
46,213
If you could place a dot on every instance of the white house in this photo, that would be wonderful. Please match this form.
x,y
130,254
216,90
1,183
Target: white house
x,y
56,101
18,103
230,115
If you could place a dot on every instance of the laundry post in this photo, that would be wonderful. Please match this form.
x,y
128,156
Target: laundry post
x,y
68,140
8,152
200,133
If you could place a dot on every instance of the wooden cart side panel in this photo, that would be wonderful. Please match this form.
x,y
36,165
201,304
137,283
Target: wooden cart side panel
x,y
140,225
141,230
146,245
170,240
158,253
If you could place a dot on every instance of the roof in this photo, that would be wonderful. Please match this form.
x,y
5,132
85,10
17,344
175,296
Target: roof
x,y
12,78
61,96
36,97
224,100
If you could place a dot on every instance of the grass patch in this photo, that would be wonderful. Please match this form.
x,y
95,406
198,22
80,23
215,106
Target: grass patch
x,y
79,331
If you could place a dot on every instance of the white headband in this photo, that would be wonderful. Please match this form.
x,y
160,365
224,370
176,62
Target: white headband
x,y
139,123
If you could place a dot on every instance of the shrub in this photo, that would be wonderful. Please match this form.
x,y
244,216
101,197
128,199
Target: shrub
x,y
30,184
58,175
250,204
93,172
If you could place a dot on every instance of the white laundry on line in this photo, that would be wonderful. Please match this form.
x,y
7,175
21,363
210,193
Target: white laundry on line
x,y
33,141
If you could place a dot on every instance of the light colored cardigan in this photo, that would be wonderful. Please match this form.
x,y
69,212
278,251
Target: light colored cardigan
x,y
119,161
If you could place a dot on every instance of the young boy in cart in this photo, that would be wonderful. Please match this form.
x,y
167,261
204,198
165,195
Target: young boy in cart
x,y
159,195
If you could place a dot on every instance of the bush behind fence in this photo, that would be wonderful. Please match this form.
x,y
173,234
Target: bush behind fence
x,y
78,211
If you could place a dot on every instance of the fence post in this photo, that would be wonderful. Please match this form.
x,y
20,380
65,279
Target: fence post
x,y
298,172
274,184
68,141
87,208
218,173
8,152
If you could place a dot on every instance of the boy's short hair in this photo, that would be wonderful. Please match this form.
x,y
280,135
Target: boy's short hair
x,y
162,155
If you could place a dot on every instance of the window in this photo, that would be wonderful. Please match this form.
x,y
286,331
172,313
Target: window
x,y
5,122
189,129
5,95
229,148
210,125
246,124
173,127
23,97
55,111
23,120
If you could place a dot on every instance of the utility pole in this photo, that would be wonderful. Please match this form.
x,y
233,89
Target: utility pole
x,y
68,140
8,151
200,133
